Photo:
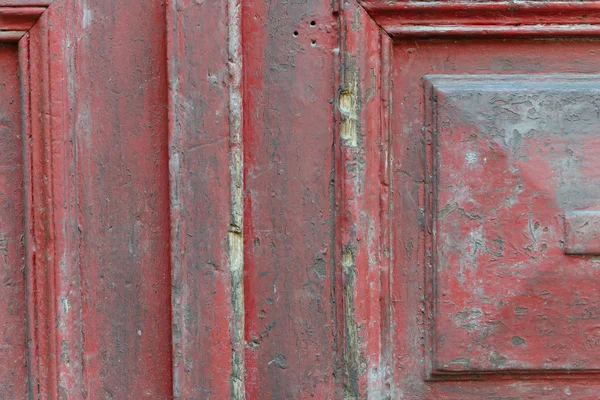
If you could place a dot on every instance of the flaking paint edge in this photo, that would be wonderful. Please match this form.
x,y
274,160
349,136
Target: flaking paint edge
x,y
236,229
174,139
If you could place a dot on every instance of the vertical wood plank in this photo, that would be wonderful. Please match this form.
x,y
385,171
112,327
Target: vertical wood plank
x,y
28,238
120,110
40,248
55,337
386,212
361,191
236,226
59,25
290,52
206,227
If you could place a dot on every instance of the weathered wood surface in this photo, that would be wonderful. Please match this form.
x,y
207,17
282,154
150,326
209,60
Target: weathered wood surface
x,y
200,176
13,344
279,199
289,210
99,252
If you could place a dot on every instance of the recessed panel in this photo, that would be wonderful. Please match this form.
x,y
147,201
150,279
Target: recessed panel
x,y
515,160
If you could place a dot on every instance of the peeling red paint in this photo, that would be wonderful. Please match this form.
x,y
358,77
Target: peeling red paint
x,y
487,166
284,199
13,372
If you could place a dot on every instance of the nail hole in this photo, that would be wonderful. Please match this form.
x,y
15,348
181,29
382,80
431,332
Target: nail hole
x,y
313,43
295,33
312,23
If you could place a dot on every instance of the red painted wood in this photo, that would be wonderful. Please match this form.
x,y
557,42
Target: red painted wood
x,y
120,96
500,297
199,152
289,236
528,181
19,18
13,372
361,183
405,19
25,3
41,294
98,290
272,200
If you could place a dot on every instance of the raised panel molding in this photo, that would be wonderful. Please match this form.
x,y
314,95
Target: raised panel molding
x,y
513,158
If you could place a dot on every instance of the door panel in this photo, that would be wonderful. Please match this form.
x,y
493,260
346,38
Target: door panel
x,y
496,174
513,157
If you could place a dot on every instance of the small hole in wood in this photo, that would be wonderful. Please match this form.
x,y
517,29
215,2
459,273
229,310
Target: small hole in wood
x,y
295,33
313,43
313,23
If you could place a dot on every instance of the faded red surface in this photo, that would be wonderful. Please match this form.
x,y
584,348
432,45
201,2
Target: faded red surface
x,y
512,157
289,214
13,344
501,160
120,97
282,199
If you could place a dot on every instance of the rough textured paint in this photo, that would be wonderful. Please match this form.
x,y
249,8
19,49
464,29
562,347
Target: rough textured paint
x,y
494,232
511,157
359,190
204,234
121,123
99,253
13,373
582,233
482,288
289,52
289,199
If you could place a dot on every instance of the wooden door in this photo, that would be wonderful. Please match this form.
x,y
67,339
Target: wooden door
x,y
291,199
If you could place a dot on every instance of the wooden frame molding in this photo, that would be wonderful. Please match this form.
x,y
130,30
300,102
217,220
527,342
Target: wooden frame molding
x,y
16,21
51,234
412,19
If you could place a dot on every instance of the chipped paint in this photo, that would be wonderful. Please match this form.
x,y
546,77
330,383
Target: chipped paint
x,y
349,103
236,230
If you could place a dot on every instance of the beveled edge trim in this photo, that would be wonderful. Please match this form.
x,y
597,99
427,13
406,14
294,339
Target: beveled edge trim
x,y
15,21
418,19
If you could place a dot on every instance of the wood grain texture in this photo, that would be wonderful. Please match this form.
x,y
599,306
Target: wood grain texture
x,y
94,100
123,185
360,185
125,284
258,221
289,240
201,218
13,372
43,336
